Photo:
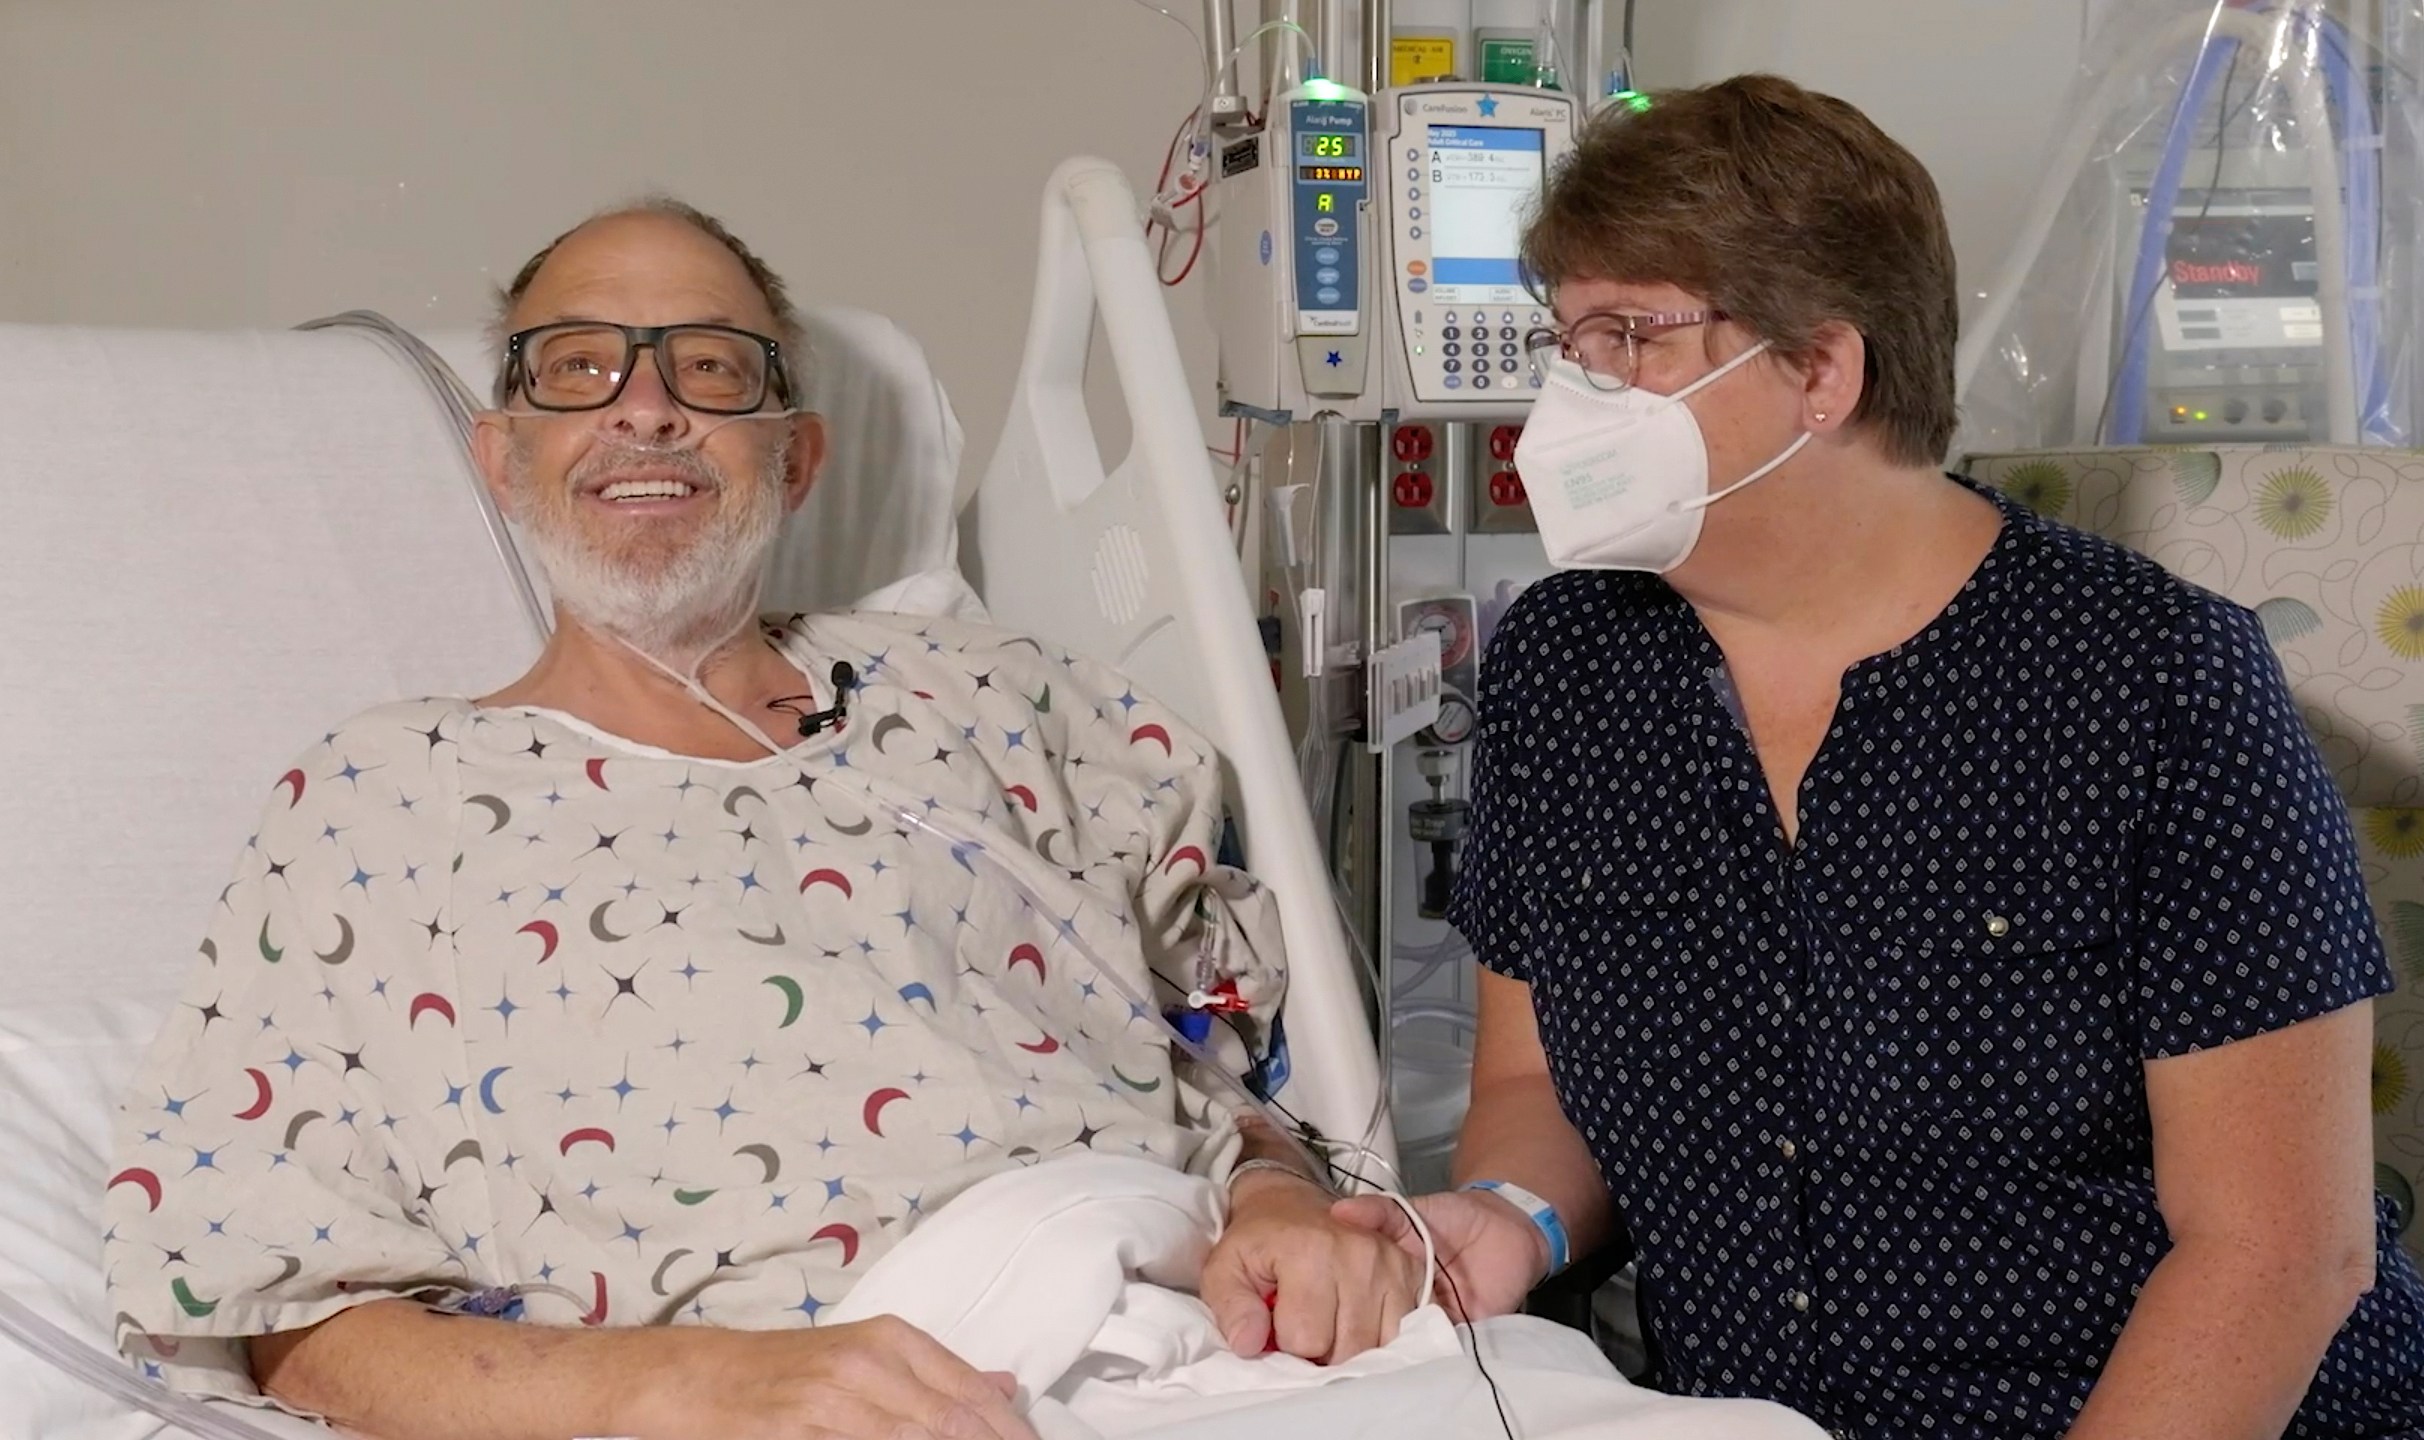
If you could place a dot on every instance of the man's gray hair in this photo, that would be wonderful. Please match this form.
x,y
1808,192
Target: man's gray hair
x,y
797,361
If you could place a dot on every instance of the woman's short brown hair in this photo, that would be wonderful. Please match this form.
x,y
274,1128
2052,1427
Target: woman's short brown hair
x,y
1786,209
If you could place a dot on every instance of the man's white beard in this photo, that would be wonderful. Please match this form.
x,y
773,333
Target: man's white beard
x,y
694,600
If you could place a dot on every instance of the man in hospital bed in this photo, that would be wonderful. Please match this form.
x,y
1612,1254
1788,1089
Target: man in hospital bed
x,y
581,1006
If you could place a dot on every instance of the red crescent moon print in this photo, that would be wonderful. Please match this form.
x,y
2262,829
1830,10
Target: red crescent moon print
x,y
873,1114
260,1105
143,1180
546,931
846,1237
591,1132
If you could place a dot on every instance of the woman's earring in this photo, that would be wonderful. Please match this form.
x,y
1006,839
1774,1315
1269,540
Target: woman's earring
x,y
1821,417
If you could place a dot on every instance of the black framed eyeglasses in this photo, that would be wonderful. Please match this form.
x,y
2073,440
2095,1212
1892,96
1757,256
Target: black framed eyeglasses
x,y
1607,346
584,364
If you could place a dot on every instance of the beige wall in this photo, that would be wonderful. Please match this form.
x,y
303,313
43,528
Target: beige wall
x,y
257,162
1973,87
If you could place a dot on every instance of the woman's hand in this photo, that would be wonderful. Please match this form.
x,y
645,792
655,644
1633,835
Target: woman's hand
x,y
1290,1274
1490,1253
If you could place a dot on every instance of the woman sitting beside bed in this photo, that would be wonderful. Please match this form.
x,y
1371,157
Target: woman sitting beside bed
x,y
1929,930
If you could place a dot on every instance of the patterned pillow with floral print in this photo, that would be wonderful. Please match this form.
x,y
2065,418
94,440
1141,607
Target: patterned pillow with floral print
x,y
2325,545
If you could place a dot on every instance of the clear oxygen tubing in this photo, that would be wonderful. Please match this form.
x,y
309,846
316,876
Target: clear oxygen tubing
x,y
704,424
110,1375
460,405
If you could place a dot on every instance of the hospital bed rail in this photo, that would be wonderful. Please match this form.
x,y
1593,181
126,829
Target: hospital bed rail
x,y
1158,593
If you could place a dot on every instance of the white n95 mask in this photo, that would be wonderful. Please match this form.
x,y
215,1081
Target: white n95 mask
x,y
1618,478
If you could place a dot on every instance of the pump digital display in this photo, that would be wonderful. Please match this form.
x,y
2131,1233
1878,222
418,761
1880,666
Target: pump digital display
x,y
1330,174
1318,146
1482,179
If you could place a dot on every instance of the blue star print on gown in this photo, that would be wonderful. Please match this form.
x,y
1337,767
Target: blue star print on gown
x,y
511,1015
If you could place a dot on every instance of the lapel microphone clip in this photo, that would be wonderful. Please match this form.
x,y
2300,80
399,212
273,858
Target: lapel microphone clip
x,y
816,722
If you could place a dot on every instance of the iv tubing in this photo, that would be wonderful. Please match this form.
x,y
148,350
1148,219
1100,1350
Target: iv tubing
x,y
912,815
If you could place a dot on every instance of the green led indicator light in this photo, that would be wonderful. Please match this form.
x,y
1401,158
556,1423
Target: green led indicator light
x,y
1328,90
1632,100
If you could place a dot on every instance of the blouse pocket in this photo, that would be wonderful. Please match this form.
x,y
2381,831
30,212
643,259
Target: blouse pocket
x,y
1624,991
2004,997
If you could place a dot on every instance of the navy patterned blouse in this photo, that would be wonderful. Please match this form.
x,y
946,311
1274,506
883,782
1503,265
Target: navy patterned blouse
x,y
1873,1106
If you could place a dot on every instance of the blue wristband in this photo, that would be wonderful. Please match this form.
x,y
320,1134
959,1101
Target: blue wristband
x,y
1540,1212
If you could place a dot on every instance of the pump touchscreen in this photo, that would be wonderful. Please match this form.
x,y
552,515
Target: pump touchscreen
x,y
1483,178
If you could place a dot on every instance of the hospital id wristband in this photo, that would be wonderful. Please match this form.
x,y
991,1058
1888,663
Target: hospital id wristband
x,y
1540,1212
1244,1168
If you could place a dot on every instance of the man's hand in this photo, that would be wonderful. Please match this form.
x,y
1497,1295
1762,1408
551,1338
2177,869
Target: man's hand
x,y
392,1368
1490,1250
880,1379
1339,1289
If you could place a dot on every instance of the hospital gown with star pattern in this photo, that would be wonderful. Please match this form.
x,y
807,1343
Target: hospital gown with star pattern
x,y
502,1012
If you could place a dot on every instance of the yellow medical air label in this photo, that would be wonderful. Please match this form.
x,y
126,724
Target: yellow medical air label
x,y
1414,58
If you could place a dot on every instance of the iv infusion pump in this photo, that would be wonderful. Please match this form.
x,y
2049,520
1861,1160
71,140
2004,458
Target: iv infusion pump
x,y
1465,165
1369,252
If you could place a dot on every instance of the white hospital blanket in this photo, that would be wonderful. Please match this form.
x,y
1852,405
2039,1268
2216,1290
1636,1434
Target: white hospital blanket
x,y
1075,1277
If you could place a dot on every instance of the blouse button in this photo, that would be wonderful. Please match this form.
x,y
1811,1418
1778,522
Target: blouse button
x,y
1997,926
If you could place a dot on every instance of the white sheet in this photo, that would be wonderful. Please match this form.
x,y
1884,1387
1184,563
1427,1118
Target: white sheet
x,y
1074,1276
